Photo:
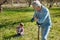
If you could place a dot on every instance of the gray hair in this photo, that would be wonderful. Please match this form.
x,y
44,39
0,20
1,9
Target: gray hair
x,y
36,3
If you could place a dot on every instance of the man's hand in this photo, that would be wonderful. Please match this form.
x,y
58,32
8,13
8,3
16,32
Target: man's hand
x,y
36,19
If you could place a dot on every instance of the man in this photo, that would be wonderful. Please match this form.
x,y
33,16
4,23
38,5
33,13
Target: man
x,y
42,18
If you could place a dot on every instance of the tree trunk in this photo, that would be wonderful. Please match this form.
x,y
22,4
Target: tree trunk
x,y
0,8
29,3
2,4
51,3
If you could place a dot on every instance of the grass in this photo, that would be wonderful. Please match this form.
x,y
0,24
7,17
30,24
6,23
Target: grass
x,y
10,18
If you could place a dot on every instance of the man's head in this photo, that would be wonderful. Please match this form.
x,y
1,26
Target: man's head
x,y
36,5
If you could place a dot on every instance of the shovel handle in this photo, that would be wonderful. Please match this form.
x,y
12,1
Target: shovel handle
x,y
38,31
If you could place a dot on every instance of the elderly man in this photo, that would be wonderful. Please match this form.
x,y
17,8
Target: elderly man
x,y
42,18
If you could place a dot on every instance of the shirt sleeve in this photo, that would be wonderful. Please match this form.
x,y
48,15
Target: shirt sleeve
x,y
35,15
43,18
22,30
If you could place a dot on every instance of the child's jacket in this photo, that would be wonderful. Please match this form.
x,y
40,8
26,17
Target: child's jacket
x,y
19,29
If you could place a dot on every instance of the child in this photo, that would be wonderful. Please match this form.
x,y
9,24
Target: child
x,y
42,18
20,29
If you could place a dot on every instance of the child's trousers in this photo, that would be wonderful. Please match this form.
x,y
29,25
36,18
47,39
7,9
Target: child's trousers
x,y
44,32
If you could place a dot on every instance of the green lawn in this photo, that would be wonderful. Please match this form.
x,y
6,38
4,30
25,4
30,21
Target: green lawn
x,y
10,18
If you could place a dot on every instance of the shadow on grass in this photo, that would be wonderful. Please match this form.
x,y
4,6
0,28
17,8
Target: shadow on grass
x,y
13,23
28,9
12,36
19,10
56,14
55,9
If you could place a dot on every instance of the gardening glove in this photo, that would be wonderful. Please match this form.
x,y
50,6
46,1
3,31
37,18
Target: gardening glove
x,y
32,19
38,23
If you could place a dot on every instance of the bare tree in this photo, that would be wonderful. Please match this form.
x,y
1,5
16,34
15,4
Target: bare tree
x,y
51,3
29,2
1,3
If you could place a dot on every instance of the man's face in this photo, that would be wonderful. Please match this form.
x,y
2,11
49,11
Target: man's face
x,y
36,8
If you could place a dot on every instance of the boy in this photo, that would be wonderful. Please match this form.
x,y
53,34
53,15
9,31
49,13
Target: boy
x,y
42,18
20,29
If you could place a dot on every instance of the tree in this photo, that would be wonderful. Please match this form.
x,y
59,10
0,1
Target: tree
x,y
29,2
1,3
51,2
